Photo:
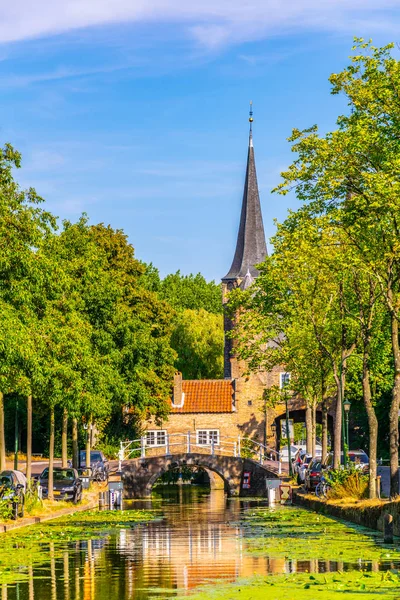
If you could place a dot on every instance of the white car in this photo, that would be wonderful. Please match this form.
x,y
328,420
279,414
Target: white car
x,y
285,453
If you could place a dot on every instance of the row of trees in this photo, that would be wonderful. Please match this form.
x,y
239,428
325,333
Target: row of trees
x,y
329,296
85,328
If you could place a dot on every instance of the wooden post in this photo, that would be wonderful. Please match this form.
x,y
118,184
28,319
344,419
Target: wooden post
x,y
388,529
378,486
29,439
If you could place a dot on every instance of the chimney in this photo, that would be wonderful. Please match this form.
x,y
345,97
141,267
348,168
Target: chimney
x,y
177,397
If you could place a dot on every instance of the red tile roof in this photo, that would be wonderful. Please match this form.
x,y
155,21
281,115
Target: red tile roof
x,y
206,396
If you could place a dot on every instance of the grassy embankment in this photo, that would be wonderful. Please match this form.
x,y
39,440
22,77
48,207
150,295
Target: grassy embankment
x,y
45,508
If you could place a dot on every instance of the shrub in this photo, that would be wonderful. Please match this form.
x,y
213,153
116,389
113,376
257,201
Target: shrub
x,y
5,510
347,483
110,450
32,499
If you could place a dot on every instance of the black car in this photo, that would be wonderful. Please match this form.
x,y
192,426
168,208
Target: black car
x,y
98,464
313,474
12,489
66,484
358,458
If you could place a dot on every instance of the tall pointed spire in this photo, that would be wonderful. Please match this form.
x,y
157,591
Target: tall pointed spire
x,y
251,248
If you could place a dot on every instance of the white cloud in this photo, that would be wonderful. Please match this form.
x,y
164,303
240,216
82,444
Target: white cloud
x,y
58,74
211,23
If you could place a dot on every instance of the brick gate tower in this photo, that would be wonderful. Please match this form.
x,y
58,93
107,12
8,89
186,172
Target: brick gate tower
x,y
251,249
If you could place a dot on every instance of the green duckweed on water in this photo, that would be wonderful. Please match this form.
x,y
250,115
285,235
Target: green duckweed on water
x,y
31,546
361,565
303,535
303,586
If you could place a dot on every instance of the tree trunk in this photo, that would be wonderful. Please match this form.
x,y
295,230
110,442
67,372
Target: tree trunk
x,y
29,438
394,411
2,439
75,457
51,456
324,430
88,440
314,429
64,434
308,429
372,426
337,428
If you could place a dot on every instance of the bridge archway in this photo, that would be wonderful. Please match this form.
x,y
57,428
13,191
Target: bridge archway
x,y
217,478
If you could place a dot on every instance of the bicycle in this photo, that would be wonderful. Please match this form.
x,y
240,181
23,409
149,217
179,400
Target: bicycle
x,y
323,487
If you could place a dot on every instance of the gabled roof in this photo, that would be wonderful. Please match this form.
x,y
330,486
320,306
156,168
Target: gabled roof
x,y
251,248
206,396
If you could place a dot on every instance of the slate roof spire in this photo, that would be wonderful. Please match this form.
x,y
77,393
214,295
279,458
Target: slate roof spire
x,y
251,248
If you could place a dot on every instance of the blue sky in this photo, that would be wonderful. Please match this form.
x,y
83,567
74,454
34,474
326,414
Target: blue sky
x,y
135,111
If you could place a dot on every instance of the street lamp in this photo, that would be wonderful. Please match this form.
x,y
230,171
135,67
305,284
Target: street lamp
x,y
273,429
346,407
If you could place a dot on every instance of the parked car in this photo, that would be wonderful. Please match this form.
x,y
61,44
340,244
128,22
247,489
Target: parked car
x,y
67,484
12,488
98,464
359,458
302,468
312,475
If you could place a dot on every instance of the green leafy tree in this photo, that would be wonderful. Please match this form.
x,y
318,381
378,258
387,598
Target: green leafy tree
x,y
24,227
191,292
356,170
198,339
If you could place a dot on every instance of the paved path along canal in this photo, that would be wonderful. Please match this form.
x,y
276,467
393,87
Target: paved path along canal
x,y
199,538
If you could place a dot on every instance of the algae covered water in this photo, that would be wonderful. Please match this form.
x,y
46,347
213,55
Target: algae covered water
x,y
192,542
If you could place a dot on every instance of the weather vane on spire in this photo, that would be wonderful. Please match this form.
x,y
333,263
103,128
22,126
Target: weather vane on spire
x,y
251,124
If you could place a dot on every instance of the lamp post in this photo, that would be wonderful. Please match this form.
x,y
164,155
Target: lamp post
x,y
346,408
273,429
16,437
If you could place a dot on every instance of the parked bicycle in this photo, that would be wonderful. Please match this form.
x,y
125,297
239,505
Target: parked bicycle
x,y
323,487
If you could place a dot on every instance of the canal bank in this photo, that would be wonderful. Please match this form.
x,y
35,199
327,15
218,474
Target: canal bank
x,y
368,514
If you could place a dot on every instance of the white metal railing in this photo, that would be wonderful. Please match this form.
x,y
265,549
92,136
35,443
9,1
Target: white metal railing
x,y
187,442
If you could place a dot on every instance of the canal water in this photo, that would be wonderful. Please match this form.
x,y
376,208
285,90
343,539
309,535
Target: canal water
x,y
200,537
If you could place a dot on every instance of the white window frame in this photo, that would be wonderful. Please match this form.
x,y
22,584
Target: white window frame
x,y
282,377
157,433
209,433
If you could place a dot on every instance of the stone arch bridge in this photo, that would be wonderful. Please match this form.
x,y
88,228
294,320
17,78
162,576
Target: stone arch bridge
x,y
238,476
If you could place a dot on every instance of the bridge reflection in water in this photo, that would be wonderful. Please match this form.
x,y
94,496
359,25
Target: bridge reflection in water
x,y
198,540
